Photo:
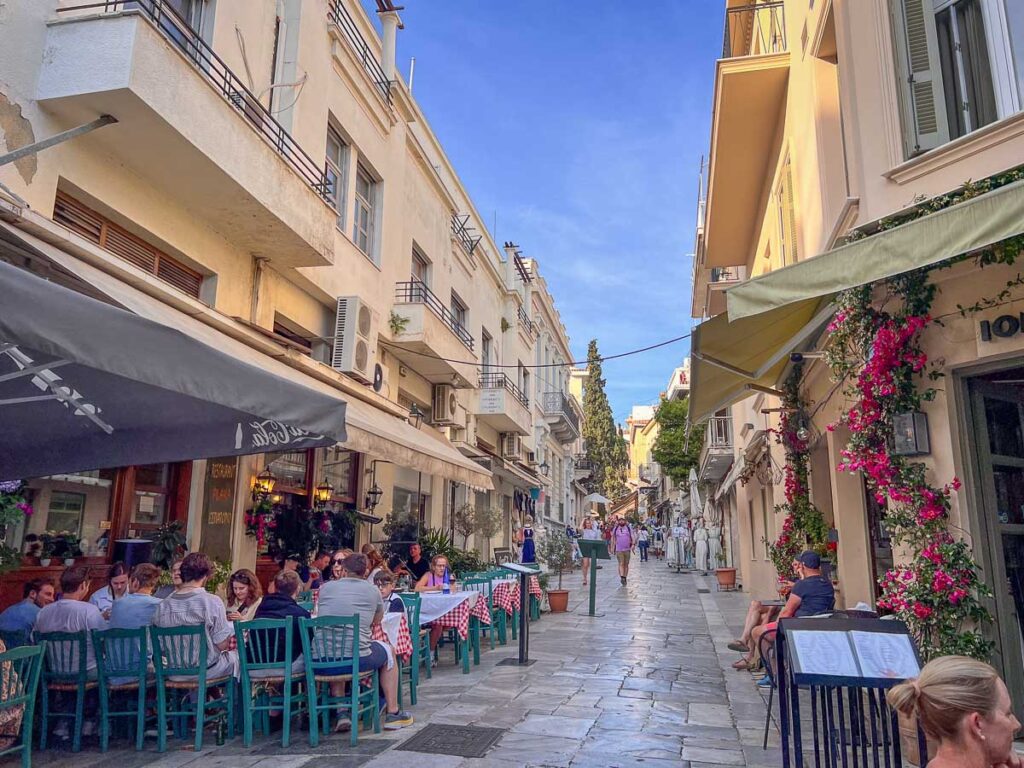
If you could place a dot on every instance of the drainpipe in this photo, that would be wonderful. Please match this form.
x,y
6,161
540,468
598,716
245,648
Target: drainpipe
x,y
390,24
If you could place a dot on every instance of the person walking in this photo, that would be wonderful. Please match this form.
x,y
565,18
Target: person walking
x,y
643,542
624,541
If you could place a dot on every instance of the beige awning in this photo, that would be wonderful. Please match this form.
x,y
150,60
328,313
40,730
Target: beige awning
x,y
962,228
371,430
730,360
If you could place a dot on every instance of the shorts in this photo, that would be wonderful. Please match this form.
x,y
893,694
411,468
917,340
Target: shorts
x,y
623,557
377,658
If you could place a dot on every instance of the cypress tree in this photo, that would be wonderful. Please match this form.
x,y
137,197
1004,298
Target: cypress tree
x,y
605,447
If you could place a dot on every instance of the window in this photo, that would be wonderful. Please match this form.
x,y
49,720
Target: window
x,y
406,502
337,163
364,223
460,313
98,229
485,351
152,491
298,339
340,470
79,503
420,267
947,54
66,511
291,470
786,216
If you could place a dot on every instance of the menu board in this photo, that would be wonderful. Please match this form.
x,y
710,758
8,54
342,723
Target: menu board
x,y
219,507
853,654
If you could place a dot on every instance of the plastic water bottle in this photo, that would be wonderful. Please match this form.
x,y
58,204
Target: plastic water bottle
x,y
446,586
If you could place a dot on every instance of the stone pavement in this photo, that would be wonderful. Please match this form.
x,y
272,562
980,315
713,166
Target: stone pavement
x,y
648,683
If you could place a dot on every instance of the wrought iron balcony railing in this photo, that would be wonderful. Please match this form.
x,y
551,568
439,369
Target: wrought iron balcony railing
x,y
726,274
755,30
417,292
557,404
501,381
525,321
338,15
173,28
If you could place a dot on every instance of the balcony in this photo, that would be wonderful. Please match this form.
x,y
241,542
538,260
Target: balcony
x,y
525,322
503,405
582,466
188,126
339,17
561,416
709,288
751,81
432,342
717,454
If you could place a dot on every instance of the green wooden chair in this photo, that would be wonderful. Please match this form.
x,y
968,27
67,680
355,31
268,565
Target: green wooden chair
x,y
265,657
306,596
420,647
180,660
484,587
19,679
330,646
123,671
65,671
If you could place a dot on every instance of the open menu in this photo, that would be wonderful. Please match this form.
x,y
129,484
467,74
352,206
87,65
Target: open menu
x,y
854,654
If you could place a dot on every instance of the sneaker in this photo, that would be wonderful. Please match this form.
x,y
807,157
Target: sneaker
x,y
623,579
344,725
765,682
396,720
62,731
738,646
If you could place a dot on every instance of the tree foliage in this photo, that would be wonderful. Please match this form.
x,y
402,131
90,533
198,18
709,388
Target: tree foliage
x,y
677,448
606,449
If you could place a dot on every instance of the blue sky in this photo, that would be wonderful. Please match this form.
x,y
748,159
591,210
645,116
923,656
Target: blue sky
x,y
582,125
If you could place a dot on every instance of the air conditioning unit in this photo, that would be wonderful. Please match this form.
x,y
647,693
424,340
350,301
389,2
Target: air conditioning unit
x,y
531,458
446,405
511,446
355,339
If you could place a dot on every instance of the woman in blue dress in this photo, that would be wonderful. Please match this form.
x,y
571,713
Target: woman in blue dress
x,y
529,554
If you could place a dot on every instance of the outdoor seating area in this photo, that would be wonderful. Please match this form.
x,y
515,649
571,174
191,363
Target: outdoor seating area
x,y
176,682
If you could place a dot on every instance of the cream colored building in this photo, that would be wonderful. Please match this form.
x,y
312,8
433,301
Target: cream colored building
x,y
271,181
828,117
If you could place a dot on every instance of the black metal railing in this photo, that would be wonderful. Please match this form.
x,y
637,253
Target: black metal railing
x,y
582,463
726,274
417,292
755,30
492,380
557,404
180,34
338,15
524,320
464,233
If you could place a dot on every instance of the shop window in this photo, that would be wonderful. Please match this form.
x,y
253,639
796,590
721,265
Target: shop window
x,y
66,511
77,503
152,493
291,468
406,502
340,471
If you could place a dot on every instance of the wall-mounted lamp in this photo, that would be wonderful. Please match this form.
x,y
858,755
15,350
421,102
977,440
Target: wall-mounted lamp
x,y
263,485
415,416
323,494
373,497
545,468
910,434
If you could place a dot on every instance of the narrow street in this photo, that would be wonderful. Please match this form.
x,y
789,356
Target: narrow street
x,y
648,683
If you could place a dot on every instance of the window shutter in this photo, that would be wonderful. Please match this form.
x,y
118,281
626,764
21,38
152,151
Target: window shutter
x,y
924,106
789,215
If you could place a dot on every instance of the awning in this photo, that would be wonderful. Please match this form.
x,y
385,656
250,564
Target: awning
x,y
369,429
86,385
729,360
962,228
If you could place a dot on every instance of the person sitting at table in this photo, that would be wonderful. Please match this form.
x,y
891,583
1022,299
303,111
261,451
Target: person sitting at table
x,y
246,593
116,588
21,617
416,566
318,568
293,562
136,609
191,605
964,705
353,595
73,613
438,578
280,604
375,560
165,590
385,582
758,614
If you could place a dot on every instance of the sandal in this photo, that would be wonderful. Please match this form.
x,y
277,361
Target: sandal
x,y
742,664
739,646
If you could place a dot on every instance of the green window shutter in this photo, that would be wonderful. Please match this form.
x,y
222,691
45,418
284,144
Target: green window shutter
x,y
917,58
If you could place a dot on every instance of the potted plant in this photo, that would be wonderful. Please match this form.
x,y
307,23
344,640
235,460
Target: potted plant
x,y
47,546
726,576
556,551
72,547
168,543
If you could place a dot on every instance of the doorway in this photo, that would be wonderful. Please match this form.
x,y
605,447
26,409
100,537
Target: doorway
x,y
997,417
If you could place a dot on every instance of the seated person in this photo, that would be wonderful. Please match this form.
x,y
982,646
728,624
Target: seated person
x,y
416,566
191,605
165,590
319,567
136,609
385,582
72,613
353,595
244,594
21,616
293,562
115,589
280,604
435,580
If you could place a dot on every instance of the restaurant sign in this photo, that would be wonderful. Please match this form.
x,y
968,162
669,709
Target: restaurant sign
x,y
219,507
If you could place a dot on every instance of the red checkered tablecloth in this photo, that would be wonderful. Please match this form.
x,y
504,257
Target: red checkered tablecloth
x,y
506,593
458,617
402,643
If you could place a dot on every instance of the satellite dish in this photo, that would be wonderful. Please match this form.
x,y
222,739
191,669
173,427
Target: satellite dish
x,y
378,377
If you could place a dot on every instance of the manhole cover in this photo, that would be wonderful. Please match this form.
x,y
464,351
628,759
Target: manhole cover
x,y
460,740
703,591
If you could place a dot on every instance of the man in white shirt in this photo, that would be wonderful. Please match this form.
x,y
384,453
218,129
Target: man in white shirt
x,y
72,614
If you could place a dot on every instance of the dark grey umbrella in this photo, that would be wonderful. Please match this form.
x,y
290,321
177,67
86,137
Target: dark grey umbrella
x,y
86,385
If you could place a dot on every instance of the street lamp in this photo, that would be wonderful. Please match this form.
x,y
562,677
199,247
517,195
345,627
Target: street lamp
x,y
373,497
322,494
263,485
545,468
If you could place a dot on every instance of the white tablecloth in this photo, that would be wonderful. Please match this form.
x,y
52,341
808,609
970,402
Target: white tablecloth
x,y
434,605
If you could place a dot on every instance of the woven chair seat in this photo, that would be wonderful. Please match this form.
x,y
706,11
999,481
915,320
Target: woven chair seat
x,y
339,678
275,678
89,684
194,682
133,686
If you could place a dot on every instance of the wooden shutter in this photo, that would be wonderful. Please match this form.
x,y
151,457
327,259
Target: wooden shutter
x,y
789,215
917,53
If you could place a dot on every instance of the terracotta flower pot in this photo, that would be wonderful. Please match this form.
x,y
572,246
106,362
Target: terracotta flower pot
x,y
726,578
558,600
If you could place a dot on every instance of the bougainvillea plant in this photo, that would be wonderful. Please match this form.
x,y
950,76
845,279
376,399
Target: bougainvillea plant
x,y
14,509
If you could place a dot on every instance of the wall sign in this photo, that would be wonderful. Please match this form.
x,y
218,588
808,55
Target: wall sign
x,y
1003,327
219,507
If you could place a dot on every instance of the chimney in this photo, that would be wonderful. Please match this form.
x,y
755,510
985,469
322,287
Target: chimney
x,y
390,24
510,268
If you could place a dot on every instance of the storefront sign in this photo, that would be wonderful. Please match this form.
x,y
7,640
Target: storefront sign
x,y
219,507
1003,327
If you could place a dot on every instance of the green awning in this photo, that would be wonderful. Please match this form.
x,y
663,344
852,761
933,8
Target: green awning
x,y
962,228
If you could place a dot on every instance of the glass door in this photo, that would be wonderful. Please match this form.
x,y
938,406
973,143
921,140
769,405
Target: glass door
x,y
998,412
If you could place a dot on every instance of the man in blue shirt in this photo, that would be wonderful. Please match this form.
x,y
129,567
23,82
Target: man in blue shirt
x,y
135,609
21,617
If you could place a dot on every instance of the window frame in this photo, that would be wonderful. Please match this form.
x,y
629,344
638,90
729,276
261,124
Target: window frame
x,y
419,258
338,165
459,310
369,204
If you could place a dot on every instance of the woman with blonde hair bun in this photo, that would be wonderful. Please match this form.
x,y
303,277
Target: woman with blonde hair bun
x,y
964,705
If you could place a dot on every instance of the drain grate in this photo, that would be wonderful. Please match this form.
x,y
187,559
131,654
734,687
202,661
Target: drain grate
x,y
703,591
459,740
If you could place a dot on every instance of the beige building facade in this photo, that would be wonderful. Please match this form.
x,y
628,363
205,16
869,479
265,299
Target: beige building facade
x,y
864,109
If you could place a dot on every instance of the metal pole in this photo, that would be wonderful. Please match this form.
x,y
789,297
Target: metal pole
x,y
39,146
593,584
524,624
